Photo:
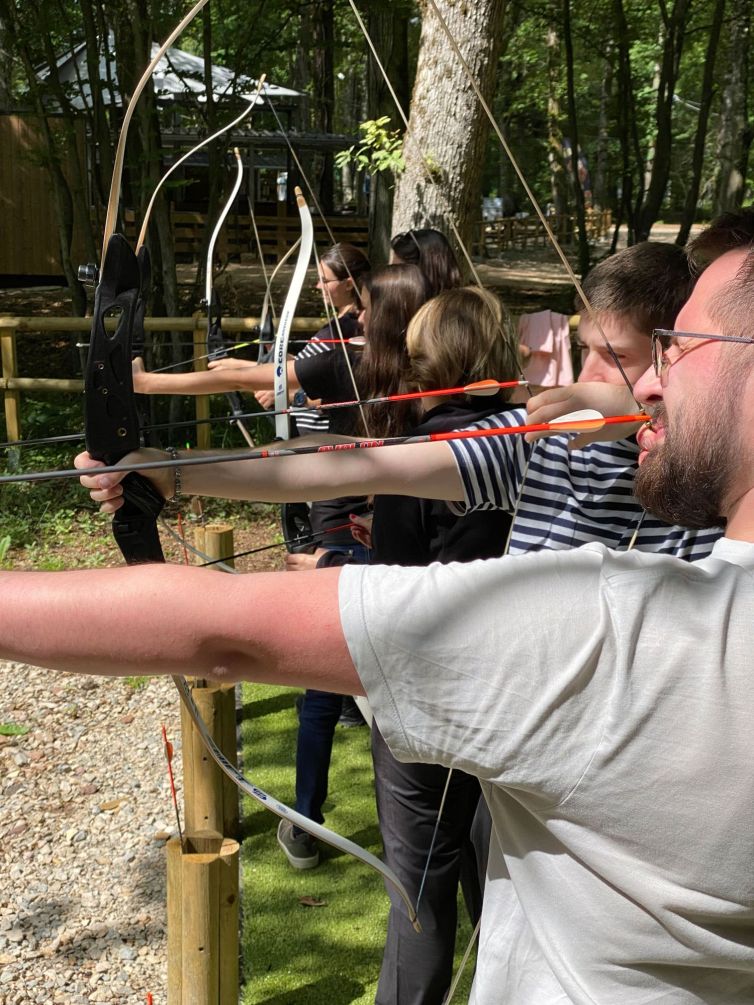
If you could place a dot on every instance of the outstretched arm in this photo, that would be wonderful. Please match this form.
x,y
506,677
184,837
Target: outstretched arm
x,y
162,619
425,470
244,377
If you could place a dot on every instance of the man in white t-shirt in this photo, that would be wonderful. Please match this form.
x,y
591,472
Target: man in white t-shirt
x,y
604,699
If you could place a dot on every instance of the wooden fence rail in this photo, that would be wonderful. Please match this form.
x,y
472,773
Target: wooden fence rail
x,y
491,237
276,233
12,384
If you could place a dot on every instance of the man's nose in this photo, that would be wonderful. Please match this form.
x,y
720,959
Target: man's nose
x,y
591,368
648,388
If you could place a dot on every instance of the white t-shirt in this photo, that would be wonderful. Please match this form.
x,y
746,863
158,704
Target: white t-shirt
x,y
606,701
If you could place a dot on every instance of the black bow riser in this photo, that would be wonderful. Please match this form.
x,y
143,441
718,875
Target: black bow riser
x,y
111,421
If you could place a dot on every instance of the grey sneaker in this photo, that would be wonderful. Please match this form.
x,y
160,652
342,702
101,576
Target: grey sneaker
x,y
300,849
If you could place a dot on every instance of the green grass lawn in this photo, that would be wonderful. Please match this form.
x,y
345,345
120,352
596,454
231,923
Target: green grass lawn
x,y
291,953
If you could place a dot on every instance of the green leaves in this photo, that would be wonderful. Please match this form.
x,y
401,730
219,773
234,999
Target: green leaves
x,y
381,148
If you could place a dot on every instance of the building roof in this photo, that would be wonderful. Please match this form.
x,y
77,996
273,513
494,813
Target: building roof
x,y
178,75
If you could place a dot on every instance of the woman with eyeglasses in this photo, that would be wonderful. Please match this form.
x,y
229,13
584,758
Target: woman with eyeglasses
x,y
341,273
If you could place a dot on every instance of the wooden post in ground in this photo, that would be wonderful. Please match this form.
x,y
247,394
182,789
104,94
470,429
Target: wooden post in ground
x,y
10,370
214,541
202,920
203,432
210,798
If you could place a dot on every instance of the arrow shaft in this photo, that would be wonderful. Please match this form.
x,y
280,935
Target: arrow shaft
x,y
394,441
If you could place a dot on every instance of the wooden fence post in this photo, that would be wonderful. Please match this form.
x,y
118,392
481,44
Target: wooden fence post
x,y
210,797
202,910
203,432
12,399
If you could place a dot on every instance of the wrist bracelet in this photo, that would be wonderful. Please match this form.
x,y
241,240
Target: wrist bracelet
x,y
177,474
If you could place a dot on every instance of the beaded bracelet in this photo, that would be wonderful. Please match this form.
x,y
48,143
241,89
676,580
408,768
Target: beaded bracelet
x,y
177,474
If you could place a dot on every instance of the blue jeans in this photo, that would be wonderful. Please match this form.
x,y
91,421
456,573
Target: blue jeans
x,y
319,715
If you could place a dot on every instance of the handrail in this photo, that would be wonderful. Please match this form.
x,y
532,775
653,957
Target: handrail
x,y
11,384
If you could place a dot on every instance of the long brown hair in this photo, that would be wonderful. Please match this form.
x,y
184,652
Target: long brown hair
x,y
395,294
431,251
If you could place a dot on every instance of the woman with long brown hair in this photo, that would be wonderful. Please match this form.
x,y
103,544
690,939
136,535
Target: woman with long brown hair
x,y
459,337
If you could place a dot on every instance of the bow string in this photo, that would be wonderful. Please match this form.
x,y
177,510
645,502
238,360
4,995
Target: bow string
x,y
112,429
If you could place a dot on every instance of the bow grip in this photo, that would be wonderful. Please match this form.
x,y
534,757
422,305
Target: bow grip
x,y
135,523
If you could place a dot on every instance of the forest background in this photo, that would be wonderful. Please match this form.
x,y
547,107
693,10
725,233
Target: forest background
x,y
639,106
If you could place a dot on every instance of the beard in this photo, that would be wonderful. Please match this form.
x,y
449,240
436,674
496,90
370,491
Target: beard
x,y
686,479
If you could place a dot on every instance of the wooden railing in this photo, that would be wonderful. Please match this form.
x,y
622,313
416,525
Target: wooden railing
x,y
12,384
491,237
276,233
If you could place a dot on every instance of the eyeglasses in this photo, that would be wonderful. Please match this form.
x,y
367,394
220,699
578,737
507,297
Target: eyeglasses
x,y
324,282
664,338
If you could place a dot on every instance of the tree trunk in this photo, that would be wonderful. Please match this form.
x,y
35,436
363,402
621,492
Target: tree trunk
x,y
671,57
216,159
6,68
584,257
323,62
602,158
101,161
632,159
133,36
388,28
697,163
558,176
447,120
734,135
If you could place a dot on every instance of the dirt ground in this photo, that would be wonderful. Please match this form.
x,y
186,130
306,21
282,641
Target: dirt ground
x,y
531,278
527,280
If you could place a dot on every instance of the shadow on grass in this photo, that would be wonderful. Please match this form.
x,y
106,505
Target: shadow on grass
x,y
253,824
257,708
335,989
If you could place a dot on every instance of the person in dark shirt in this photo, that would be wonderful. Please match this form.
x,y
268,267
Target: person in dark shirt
x,y
459,337
390,297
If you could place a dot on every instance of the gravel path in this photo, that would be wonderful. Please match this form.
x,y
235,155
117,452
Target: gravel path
x,y
86,811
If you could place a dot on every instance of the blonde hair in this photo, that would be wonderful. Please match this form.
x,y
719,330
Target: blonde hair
x,y
461,336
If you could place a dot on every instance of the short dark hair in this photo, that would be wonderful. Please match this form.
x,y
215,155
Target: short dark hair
x,y
726,233
647,283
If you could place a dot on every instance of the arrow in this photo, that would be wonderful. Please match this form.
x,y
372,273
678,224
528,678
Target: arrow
x,y
480,388
169,757
576,422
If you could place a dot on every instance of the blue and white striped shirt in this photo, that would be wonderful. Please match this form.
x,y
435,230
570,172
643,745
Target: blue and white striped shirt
x,y
569,498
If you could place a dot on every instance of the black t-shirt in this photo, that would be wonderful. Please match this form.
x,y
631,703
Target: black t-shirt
x,y
307,421
326,377
410,531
